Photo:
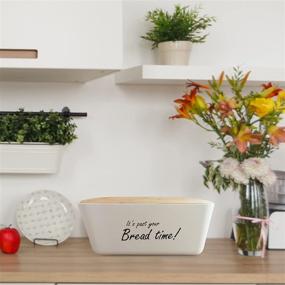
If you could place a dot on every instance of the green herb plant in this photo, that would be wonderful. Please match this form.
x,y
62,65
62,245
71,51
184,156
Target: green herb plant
x,y
45,127
183,25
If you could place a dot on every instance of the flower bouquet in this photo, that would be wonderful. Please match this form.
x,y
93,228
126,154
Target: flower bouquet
x,y
246,125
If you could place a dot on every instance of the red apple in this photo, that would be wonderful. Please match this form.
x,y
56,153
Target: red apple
x,y
9,240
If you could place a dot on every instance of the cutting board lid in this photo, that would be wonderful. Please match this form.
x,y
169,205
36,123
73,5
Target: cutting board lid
x,y
145,200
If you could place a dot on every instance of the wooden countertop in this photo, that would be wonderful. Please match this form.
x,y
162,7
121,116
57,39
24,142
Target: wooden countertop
x,y
75,262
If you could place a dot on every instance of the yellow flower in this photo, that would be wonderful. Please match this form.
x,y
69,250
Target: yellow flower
x,y
281,95
221,97
280,103
261,106
200,105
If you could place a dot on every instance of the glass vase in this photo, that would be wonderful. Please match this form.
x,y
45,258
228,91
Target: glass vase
x,y
250,225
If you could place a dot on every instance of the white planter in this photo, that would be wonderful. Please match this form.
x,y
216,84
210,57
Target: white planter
x,y
169,226
30,158
174,53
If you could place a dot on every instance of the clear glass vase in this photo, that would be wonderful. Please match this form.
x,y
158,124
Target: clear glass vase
x,y
249,230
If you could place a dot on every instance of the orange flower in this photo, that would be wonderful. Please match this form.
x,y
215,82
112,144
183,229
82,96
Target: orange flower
x,y
183,113
274,93
244,137
266,85
269,90
189,98
225,107
226,130
190,104
277,135
196,85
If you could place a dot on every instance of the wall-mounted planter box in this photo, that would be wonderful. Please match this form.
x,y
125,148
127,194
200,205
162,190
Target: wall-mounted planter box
x,y
33,158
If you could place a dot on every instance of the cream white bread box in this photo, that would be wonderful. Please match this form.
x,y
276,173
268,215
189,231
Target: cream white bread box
x,y
147,225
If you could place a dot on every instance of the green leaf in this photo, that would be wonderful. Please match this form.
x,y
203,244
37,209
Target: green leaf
x,y
51,127
183,25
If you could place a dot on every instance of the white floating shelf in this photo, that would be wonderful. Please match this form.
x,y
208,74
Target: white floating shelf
x,y
52,74
177,75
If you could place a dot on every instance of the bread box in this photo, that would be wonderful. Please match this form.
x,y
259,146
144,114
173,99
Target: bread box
x,y
147,225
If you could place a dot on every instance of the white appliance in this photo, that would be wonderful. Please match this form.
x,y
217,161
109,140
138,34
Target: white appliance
x,y
276,195
147,225
276,192
276,239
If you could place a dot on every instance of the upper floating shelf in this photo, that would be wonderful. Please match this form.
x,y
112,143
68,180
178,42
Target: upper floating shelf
x,y
52,74
178,74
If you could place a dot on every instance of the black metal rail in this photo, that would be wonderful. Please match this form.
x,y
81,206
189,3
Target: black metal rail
x,y
65,112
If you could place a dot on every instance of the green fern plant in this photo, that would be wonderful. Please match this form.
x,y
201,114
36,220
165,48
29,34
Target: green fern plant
x,y
183,25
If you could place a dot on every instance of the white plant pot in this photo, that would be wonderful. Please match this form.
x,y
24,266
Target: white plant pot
x,y
147,225
174,53
30,158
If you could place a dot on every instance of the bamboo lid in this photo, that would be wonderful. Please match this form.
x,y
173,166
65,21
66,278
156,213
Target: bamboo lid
x,y
144,200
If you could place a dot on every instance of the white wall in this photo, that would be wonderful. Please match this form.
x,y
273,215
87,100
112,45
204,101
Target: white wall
x,y
247,32
127,145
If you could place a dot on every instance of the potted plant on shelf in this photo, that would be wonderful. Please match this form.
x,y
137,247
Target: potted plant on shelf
x,y
246,125
33,143
174,34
